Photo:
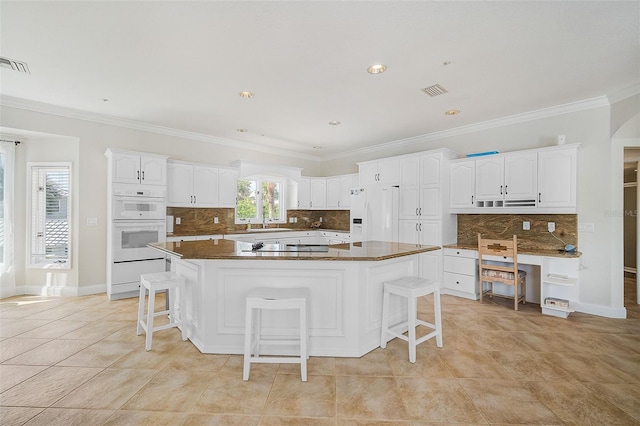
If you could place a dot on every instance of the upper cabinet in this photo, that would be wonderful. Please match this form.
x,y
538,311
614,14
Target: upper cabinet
x,y
199,185
533,181
339,191
138,168
384,171
318,188
462,184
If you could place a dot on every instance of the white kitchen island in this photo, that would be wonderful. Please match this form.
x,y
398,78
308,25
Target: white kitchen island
x,y
345,283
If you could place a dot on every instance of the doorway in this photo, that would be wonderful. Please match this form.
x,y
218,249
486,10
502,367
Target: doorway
x,y
631,222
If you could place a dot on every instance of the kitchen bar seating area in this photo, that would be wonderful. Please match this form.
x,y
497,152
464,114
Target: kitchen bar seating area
x,y
62,364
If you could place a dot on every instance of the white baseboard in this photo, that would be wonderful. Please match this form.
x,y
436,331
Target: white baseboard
x,y
602,311
65,291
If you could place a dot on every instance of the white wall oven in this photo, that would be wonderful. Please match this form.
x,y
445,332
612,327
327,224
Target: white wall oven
x,y
130,239
131,204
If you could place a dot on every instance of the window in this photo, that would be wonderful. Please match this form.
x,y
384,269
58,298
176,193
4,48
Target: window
x,y
50,214
260,200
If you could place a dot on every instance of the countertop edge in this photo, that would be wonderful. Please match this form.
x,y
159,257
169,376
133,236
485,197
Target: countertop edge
x,y
548,253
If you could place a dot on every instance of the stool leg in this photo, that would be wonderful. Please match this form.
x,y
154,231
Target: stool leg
x,y
141,309
385,320
150,316
412,308
248,325
438,312
182,309
303,342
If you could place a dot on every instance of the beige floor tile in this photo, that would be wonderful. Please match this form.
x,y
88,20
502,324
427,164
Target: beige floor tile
x,y
53,330
472,364
16,326
100,354
11,375
92,314
296,421
291,397
188,357
315,365
360,397
530,365
542,342
160,393
508,402
49,353
145,418
360,422
15,346
98,330
158,357
70,417
588,368
17,416
628,364
575,404
228,393
47,387
625,396
372,364
222,420
429,363
110,389
495,340
56,313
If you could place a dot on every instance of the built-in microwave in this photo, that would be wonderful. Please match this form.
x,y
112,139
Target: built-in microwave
x,y
126,207
130,239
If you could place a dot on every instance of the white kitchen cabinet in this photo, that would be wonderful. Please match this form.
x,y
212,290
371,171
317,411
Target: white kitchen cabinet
x,y
304,193
384,171
462,178
420,189
138,168
557,177
460,273
192,185
508,180
318,189
489,178
559,283
339,191
227,187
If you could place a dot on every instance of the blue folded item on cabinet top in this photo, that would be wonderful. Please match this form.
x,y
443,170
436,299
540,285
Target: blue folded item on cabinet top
x,y
479,154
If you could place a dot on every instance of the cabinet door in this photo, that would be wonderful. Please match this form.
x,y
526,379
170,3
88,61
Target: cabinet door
x,y
557,178
227,187
346,184
430,169
318,193
368,173
205,186
153,170
409,231
126,168
409,200
521,176
431,266
179,185
389,171
490,179
462,184
333,192
430,207
304,193
430,232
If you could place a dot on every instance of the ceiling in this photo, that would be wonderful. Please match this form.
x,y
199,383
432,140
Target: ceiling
x,y
181,65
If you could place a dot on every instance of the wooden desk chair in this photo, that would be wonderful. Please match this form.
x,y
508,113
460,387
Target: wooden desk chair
x,y
505,274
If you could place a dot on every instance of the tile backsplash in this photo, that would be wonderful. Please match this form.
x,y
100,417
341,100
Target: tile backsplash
x,y
201,221
504,226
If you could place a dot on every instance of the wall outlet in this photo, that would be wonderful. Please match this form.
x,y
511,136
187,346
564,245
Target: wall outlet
x,y
587,227
551,226
178,221
215,220
320,219
92,221
526,225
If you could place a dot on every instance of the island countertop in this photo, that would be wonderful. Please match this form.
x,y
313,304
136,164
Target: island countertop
x,y
231,250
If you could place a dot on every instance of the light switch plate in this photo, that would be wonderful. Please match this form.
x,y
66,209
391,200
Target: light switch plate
x,y
551,226
92,221
178,221
526,225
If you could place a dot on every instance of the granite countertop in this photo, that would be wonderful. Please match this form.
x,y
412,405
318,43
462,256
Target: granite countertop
x,y
533,252
232,250
258,231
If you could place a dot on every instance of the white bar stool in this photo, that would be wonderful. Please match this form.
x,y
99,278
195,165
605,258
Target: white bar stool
x,y
155,282
411,288
274,299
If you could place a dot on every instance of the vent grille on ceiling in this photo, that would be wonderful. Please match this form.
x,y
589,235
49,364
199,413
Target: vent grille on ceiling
x,y
14,65
434,90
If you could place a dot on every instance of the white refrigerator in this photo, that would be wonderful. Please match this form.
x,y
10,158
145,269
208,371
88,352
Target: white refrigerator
x,y
374,213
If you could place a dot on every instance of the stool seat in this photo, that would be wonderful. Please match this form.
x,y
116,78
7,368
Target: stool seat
x,y
269,298
153,283
411,288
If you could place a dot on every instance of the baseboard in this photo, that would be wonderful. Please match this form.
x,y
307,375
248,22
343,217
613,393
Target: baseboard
x,y
64,291
602,311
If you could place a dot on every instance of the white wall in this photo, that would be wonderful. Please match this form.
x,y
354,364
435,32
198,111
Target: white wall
x,y
600,291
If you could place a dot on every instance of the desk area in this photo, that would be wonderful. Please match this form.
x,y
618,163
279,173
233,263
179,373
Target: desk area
x,y
556,272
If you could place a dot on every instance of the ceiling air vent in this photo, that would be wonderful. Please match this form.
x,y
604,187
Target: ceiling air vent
x,y
434,90
14,65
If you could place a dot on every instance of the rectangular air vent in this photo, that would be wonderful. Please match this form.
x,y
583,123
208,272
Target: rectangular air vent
x,y
434,90
14,65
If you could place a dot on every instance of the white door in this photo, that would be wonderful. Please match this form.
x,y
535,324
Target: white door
x,y
490,178
333,192
521,176
126,168
205,186
557,178
318,193
304,193
153,170
179,185
227,187
462,184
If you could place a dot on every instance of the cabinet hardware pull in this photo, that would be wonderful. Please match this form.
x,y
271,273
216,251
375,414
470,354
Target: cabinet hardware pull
x,y
143,175
472,199
505,190
420,211
539,195
500,189
420,227
138,174
416,211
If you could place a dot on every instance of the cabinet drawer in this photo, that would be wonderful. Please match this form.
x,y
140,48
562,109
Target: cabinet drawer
x,y
465,283
471,254
460,265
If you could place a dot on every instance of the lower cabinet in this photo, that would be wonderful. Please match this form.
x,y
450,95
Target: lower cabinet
x,y
460,273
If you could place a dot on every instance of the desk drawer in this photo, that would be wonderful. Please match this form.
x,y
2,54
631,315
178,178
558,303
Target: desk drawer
x,y
472,254
465,283
460,265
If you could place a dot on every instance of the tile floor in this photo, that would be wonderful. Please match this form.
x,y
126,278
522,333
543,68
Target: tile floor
x,y
78,361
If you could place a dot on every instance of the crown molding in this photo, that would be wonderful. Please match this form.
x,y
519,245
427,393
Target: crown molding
x,y
484,125
44,108
624,93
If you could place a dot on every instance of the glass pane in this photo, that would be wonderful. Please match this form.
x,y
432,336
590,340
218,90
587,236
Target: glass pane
x,y
271,200
247,197
138,239
57,215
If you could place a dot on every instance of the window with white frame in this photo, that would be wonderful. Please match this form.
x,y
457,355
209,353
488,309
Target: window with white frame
x,y
260,200
50,214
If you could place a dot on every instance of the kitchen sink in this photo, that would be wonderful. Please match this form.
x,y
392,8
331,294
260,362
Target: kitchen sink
x,y
269,229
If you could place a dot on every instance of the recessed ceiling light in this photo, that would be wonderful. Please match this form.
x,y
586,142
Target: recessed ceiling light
x,y
452,112
105,100
334,123
377,69
241,130
317,147
246,94
445,63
